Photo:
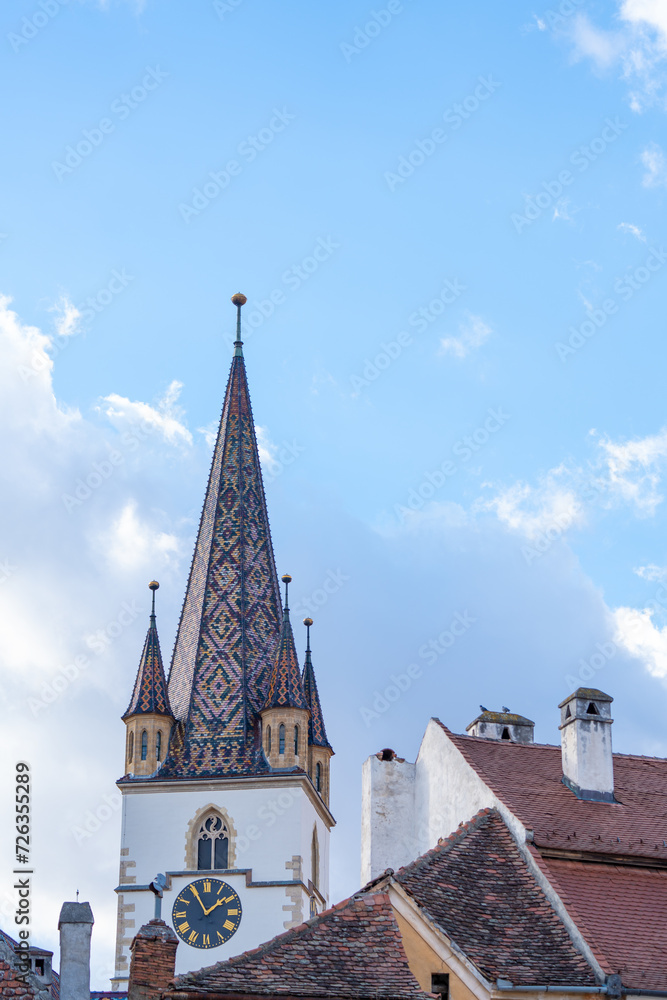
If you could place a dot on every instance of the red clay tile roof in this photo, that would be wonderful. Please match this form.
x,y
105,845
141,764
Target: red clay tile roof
x,y
353,950
478,889
527,778
623,910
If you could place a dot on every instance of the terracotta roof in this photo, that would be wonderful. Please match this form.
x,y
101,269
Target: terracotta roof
x,y
317,734
285,686
150,686
622,913
527,778
353,950
230,622
477,887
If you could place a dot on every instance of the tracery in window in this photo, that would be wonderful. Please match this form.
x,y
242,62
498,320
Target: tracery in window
x,y
212,844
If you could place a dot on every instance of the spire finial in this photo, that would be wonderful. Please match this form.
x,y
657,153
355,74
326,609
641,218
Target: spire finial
x,y
153,585
287,579
239,301
308,622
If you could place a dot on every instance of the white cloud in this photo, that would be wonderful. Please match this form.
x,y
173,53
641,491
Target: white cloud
x,y
562,211
210,433
627,227
165,419
648,13
68,316
651,572
602,47
634,470
653,159
636,633
533,511
472,334
133,542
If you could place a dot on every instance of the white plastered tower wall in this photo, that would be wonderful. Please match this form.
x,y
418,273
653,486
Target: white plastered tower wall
x,y
271,824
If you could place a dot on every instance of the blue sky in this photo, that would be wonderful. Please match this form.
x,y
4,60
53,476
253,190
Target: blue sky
x,y
448,220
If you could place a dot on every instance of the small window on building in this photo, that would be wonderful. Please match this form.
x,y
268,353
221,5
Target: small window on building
x,y
506,734
39,966
281,739
318,777
268,739
158,745
568,713
440,984
212,844
144,745
592,710
130,748
296,740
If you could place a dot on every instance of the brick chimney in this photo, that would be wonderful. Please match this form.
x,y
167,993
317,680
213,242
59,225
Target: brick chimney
x,y
153,961
588,764
75,924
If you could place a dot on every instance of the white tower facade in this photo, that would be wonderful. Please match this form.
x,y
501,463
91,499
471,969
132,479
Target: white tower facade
x,y
226,783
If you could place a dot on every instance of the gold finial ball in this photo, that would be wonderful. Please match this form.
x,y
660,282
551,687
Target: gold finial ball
x,y
287,578
308,622
239,299
153,585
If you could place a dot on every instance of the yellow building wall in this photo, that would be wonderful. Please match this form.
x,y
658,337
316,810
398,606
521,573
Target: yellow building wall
x,y
423,962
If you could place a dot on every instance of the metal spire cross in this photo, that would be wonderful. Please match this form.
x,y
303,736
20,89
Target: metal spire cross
x,y
308,622
287,579
153,585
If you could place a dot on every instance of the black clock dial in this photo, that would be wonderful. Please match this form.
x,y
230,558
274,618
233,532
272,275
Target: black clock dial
x,y
206,913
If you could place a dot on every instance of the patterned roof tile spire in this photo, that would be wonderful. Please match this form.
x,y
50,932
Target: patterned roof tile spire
x,y
286,687
150,687
230,622
317,734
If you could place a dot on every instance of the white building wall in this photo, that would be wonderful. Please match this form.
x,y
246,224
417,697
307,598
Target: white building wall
x,y
387,816
272,829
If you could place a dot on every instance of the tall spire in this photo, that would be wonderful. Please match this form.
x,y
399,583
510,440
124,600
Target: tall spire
x,y
317,734
286,687
150,687
230,621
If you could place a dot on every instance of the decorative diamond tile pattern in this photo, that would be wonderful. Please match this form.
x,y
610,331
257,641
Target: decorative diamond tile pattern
x,y
285,687
230,622
317,734
150,687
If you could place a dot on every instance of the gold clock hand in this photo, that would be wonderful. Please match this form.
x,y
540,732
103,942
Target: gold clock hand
x,y
195,893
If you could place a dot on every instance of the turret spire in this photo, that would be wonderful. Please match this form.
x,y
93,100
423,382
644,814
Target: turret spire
x,y
317,734
150,687
286,686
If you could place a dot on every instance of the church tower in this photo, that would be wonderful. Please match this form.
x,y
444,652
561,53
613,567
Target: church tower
x,y
226,783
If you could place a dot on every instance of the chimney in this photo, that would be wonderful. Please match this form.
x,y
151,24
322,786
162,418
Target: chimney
x,y
153,962
388,837
76,926
502,726
588,766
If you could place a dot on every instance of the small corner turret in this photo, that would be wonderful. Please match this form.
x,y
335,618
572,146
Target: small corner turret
x,y
148,718
319,748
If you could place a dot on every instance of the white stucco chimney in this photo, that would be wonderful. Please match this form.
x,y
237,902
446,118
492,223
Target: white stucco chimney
x,y
387,814
588,765
76,926
502,726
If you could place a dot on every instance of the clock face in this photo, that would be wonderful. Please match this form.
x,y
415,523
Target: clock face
x,y
206,913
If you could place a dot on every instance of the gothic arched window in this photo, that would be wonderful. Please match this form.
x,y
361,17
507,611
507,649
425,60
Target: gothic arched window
x,y
130,748
212,844
281,739
296,740
318,777
315,859
144,745
268,739
158,745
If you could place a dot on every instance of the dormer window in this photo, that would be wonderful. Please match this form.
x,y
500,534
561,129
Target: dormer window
x,y
506,734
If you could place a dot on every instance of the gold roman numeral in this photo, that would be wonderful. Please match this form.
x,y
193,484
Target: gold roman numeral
x,y
232,913
221,936
206,941
207,886
228,925
181,913
193,937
